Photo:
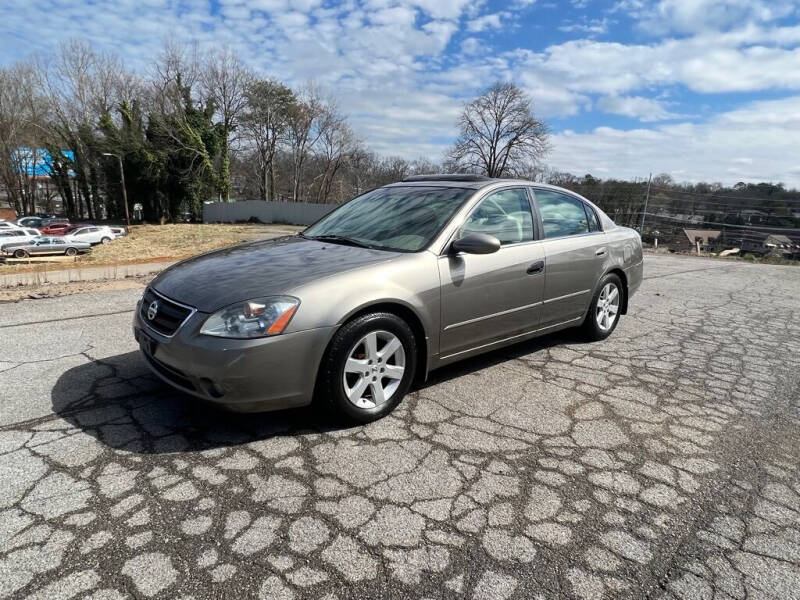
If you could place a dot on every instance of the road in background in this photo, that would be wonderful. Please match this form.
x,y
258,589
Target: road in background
x,y
662,462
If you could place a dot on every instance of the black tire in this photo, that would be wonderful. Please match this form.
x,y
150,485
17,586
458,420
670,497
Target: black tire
x,y
71,252
592,330
105,240
331,374
20,254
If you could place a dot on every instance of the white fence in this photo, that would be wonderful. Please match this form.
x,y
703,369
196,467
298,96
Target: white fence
x,y
295,213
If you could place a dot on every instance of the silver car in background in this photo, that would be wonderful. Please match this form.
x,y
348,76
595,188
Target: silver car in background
x,y
391,285
47,245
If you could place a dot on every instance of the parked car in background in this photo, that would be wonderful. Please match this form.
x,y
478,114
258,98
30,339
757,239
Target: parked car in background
x,y
48,245
402,280
92,234
6,225
17,237
56,228
31,221
118,231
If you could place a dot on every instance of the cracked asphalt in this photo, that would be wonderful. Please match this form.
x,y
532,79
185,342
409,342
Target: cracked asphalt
x,y
660,463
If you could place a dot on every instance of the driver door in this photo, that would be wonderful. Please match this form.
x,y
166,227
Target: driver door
x,y
490,297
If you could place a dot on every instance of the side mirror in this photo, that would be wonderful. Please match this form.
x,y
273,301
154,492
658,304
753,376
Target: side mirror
x,y
476,243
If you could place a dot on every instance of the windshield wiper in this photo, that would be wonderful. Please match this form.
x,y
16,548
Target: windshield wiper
x,y
338,239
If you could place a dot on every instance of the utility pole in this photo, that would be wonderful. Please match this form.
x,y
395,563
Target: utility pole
x,y
124,192
646,198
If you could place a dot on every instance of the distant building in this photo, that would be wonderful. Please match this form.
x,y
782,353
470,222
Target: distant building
x,y
754,217
687,241
763,243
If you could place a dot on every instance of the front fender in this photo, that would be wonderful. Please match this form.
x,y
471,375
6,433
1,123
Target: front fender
x,y
410,281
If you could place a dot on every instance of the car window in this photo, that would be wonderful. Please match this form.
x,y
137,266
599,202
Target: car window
x,y
562,215
32,232
505,215
55,241
594,222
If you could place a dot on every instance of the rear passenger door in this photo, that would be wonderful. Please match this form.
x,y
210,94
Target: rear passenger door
x,y
575,253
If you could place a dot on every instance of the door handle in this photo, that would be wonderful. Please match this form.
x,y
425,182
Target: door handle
x,y
536,267
600,252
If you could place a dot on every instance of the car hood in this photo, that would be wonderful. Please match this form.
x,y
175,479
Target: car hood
x,y
264,268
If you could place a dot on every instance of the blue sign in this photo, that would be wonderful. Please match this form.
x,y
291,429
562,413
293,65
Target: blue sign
x,y
38,162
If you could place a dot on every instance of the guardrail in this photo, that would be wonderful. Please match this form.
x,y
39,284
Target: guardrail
x,y
294,213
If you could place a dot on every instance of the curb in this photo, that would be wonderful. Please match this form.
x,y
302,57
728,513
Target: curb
x,y
107,272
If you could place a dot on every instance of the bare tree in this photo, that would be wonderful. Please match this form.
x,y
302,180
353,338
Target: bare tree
x,y
498,132
303,133
265,120
336,142
224,80
22,113
81,86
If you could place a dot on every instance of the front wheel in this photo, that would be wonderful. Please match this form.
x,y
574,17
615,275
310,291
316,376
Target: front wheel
x,y
369,366
20,254
71,252
604,311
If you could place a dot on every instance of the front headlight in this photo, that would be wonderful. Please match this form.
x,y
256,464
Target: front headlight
x,y
252,318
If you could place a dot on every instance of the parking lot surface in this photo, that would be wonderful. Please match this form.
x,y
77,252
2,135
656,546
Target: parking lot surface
x,y
660,463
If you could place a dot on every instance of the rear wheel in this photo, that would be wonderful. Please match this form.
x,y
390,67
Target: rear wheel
x,y
71,252
20,254
369,366
105,240
604,310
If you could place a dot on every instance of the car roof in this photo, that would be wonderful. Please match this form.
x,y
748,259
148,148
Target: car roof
x,y
475,182
478,182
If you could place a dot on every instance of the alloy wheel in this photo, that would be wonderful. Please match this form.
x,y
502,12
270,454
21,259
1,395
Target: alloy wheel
x,y
374,369
607,307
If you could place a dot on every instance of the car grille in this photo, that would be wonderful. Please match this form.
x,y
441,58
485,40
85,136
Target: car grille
x,y
169,316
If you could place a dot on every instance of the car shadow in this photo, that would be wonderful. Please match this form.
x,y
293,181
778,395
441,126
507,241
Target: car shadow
x,y
118,401
123,405
471,366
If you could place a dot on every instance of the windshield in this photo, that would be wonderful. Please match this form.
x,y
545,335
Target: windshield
x,y
393,218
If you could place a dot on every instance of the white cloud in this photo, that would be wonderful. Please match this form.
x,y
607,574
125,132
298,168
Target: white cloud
x,y
637,107
591,27
472,46
745,60
765,131
692,16
490,21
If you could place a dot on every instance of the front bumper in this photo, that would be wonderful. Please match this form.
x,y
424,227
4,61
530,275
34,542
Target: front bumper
x,y
241,375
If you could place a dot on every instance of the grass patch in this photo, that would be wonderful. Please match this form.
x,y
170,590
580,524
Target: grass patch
x,y
152,243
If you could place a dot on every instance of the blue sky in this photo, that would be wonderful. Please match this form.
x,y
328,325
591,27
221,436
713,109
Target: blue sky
x,y
701,89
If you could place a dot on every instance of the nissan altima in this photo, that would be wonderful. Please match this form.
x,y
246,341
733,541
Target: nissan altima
x,y
397,282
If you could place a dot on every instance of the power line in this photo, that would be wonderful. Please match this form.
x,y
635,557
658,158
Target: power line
x,y
660,200
703,221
